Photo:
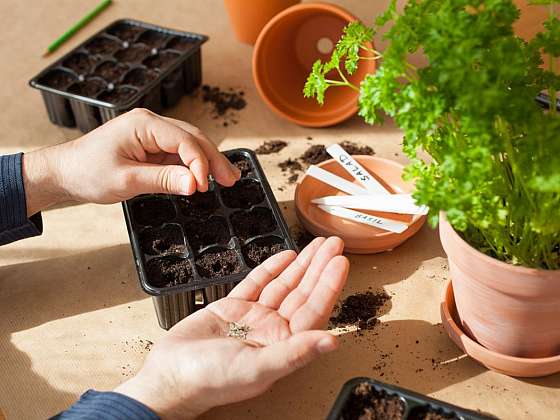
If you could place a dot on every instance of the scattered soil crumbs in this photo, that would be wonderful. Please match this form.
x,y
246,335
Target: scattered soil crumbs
x,y
360,309
224,103
272,146
365,403
301,237
239,331
293,179
291,165
315,154
356,149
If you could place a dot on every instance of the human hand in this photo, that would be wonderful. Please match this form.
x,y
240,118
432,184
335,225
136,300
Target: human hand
x,y
283,302
137,152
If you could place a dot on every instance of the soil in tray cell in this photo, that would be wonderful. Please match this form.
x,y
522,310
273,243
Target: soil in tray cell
x,y
243,195
426,413
118,96
133,54
181,43
166,240
111,71
153,212
88,88
199,205
168,271
218,263
213,231
243,164
154,39
161,61
140,77
258,221
261,249
125,32
365,403
58,79
102,45
80,63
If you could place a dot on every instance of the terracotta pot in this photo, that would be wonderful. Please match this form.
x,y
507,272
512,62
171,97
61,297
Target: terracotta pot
x,y
284,54
248,17
508,309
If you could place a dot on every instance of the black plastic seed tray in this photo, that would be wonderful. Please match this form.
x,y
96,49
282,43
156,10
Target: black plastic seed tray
x,y
127,65
392,402
191,251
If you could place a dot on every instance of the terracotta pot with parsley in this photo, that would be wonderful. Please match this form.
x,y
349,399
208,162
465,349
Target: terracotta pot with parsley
x,y
494,167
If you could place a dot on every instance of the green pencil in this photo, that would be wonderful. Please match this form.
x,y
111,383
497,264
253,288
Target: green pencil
x,y
77,26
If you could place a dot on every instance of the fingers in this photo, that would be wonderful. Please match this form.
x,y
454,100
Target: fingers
x,y
332,247
221,168
251,288
143,178
275,292
315,312
284,357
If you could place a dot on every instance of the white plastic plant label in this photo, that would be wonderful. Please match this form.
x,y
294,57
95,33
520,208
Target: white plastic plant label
x,y
392,203
336,181
366,219
356,170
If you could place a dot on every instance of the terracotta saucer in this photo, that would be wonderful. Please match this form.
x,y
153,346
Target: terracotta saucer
x,y
358,238
508,365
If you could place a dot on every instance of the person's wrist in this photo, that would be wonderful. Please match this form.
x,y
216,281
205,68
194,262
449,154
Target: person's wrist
x,y
42,179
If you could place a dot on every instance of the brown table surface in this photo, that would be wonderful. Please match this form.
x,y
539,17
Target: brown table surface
x,y
74,317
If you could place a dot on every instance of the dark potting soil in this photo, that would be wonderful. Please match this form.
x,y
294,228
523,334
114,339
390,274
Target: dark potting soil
x,y
218,263
213,231
133,54
118,96
258,221
154,39
152,212
198,205
361,309
259,250
428,414
168,271
271,146
180,44
356,149
168,239
79,62
365,403
162,60
243,195
315,154
140,77
111,71
293,179
290,165
125,32
58,79
301,237
223,100
242,164
89,88
103,45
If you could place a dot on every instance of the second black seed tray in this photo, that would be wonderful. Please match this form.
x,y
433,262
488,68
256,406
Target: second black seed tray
x,y
128,64
183,244
392,402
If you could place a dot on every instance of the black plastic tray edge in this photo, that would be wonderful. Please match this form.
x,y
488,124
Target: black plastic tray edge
x,y
234,278
411,397
34,83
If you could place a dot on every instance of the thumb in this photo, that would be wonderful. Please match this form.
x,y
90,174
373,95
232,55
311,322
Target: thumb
x,y
149,178
280,359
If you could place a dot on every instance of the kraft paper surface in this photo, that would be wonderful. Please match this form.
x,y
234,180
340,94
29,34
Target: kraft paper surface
x,y
74,316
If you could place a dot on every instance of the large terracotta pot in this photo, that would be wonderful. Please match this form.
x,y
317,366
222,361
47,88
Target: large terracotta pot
x,y
508,309
248,17
283,57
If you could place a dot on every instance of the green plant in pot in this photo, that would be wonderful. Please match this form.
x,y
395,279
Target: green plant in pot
x,y
494,168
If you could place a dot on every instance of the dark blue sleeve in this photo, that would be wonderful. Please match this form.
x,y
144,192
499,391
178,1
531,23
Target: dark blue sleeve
x,y
14,224
95,405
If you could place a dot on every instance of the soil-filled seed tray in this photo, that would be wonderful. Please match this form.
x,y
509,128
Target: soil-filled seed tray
x,y
365,398
128,64
192,250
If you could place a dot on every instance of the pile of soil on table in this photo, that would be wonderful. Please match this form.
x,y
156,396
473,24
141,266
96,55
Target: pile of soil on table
x,y
260,250
360,309
365,403
271,146
218,263
169,271
224,102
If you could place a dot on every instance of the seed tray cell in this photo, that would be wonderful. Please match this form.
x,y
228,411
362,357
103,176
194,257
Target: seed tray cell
x,y
192,250
363,397
140,65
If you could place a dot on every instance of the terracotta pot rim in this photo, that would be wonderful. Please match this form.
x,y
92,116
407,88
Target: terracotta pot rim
x,y
466,343
350,109
519,269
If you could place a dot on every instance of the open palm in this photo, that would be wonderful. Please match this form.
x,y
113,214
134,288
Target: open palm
x,y
282,304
